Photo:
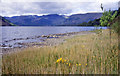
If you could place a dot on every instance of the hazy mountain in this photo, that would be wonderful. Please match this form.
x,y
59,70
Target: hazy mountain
x,y
53,19
80,18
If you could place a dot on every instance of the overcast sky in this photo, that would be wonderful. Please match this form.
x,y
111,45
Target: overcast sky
x,y
40,7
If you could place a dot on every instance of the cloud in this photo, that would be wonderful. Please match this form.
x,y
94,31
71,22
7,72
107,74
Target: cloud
x,y
101,1
39,8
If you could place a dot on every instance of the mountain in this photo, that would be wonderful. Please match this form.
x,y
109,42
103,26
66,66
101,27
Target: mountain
x,y
5,22
80,18
53,19
97,21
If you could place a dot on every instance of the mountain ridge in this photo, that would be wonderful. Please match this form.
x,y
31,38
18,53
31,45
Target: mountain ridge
x,y
53,19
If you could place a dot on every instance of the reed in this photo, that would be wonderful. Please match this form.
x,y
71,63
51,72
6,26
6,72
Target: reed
x,y
83,54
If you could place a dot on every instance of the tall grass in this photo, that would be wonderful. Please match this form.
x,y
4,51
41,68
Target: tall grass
x,y
84,54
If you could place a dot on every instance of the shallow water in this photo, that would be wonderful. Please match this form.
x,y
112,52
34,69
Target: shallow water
x,y
21,34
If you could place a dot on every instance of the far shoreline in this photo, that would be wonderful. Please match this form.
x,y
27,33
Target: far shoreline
x,y
52,26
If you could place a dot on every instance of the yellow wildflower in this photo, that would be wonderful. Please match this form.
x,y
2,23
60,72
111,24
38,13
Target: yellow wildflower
x,y
79,64
57,61
63,61
69,64
85,64
66,63
60,58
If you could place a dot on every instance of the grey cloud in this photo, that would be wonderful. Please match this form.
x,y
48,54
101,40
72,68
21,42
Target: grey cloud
x,y
20,8
53,7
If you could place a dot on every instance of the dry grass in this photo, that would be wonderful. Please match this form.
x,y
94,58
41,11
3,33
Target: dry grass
x,y
93,52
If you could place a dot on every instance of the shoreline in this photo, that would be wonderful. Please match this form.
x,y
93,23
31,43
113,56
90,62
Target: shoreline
x,y
49,40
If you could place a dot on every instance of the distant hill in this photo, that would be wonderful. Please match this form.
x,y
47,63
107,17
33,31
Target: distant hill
x,y
5,22
97,21
53,19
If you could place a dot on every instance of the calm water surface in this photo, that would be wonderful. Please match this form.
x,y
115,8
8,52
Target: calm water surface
x,y
10,33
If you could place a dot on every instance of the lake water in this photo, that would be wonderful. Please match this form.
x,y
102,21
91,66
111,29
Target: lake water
x,y
10,34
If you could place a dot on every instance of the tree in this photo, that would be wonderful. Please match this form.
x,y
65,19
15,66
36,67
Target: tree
x,y
106,20
107,17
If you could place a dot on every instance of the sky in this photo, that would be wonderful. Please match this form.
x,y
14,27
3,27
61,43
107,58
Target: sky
x,y
62,7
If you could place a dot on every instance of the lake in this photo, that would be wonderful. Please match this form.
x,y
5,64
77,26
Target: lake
x,y
12,35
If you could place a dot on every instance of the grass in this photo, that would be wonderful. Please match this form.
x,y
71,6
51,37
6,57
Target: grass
x,y
84,54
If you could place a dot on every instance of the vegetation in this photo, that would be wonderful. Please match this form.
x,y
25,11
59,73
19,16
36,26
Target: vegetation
x,y
105,20
13,24
107,17
95,53
82,54
6,22
91,23
116,25
112,20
